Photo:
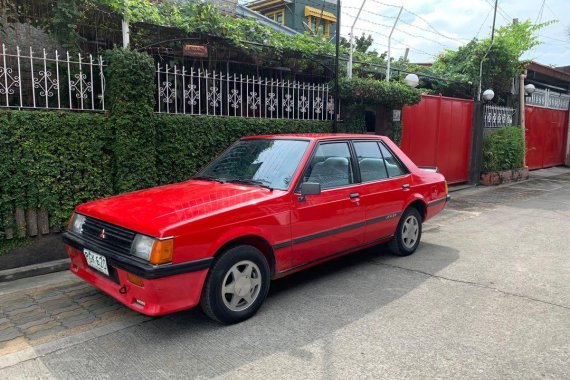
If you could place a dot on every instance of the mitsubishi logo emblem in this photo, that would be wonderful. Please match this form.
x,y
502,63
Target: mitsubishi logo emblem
x,y
102,234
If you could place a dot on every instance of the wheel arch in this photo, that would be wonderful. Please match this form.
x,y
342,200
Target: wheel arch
x,y
255,241
419,204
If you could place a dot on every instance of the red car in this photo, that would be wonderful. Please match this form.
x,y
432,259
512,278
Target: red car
x,y
267,207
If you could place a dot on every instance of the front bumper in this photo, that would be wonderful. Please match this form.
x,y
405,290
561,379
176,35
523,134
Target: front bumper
x,y
162,291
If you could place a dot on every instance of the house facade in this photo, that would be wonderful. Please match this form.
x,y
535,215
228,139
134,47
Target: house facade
x,y
313,16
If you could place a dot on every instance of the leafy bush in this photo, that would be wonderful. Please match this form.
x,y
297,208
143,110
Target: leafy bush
x,y
53,160
130,95
186,143
370,91
503,149
57,160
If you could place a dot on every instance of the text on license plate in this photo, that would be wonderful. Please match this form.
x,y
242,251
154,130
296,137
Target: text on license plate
x,y
96,261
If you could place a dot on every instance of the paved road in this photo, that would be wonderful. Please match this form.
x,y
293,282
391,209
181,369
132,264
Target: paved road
x,y
487,295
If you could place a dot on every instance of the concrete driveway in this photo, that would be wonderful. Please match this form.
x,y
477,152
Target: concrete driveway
x,y
487,295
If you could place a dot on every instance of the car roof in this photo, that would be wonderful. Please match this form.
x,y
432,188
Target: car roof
x,y
315,136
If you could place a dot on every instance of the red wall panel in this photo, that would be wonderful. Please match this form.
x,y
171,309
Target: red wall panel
x,y
546,131
437,132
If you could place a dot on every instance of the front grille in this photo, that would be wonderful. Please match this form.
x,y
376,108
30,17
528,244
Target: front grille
x,y
117,239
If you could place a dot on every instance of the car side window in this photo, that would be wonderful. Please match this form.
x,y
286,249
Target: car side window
x,y
370,161
395,169
331,166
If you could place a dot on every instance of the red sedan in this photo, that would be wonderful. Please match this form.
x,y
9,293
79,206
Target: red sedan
x,y
265,208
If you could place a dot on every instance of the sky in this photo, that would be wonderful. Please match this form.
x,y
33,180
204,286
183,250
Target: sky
x,y
428,27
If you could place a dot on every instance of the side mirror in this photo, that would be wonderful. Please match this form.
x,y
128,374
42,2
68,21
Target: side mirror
x,y
310,188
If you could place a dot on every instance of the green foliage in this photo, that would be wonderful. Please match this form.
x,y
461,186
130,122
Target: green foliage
x,y
186,143
396,132
354,119
9,245
503,149
63,24
53,160
57,160
130,94
204,17
374,92
361,44
502,62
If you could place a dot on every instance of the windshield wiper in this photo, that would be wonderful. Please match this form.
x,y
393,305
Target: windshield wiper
x,y
253,182
209,178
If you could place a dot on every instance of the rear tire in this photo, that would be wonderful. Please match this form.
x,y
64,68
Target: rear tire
x,y
236,286
408,233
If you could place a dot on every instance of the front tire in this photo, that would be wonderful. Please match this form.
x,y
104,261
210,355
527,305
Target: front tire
x,y
236,286
408,233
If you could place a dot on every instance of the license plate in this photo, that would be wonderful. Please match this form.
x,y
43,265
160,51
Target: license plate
x,y
97,261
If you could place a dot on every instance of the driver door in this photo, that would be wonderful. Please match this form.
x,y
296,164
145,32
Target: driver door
x,y
333,221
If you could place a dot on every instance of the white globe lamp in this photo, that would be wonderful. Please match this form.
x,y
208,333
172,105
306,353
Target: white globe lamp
x,y
488,95
412,80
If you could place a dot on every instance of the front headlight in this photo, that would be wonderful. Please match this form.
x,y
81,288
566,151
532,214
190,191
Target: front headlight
x,y
152,250
142,247
76,223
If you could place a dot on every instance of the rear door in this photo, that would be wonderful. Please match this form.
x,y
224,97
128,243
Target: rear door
x,y
385,182
333,221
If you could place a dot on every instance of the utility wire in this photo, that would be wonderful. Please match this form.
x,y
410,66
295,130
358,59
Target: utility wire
x,y
539,14
397,41
405,32
431,26
483,23
376,14
501,11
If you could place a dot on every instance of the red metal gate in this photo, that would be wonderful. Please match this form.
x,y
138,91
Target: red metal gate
x,y
546,131
437,132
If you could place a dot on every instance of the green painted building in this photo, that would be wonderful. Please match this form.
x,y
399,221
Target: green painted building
x,y
314,16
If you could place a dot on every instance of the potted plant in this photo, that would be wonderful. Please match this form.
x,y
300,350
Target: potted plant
x,y
503,156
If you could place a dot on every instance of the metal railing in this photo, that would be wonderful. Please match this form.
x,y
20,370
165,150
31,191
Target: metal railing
x,y
497,116
52,82
201,92
549,99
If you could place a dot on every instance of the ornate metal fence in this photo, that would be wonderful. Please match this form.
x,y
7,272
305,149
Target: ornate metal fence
x,y
549,99
497,116
30,81
200,92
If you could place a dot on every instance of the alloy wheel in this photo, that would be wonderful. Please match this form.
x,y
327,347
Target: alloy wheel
x,y
241,285
410,231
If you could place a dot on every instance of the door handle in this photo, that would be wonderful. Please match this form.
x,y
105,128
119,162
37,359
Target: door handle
x,y
354,195
406,186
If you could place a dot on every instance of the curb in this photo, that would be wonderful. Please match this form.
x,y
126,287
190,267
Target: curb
x,y
34,270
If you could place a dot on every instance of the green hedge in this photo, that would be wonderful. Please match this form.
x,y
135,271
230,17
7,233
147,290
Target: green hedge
x,y
130,95
186,143
393,95
53,160
57,160
503,149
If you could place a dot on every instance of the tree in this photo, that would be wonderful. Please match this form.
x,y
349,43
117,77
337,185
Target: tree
x,y
502,62
361,43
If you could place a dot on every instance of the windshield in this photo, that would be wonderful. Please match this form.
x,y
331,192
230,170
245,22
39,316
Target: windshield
x,y
271,163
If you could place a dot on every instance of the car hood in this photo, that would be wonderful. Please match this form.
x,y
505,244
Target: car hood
x,y
153,211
